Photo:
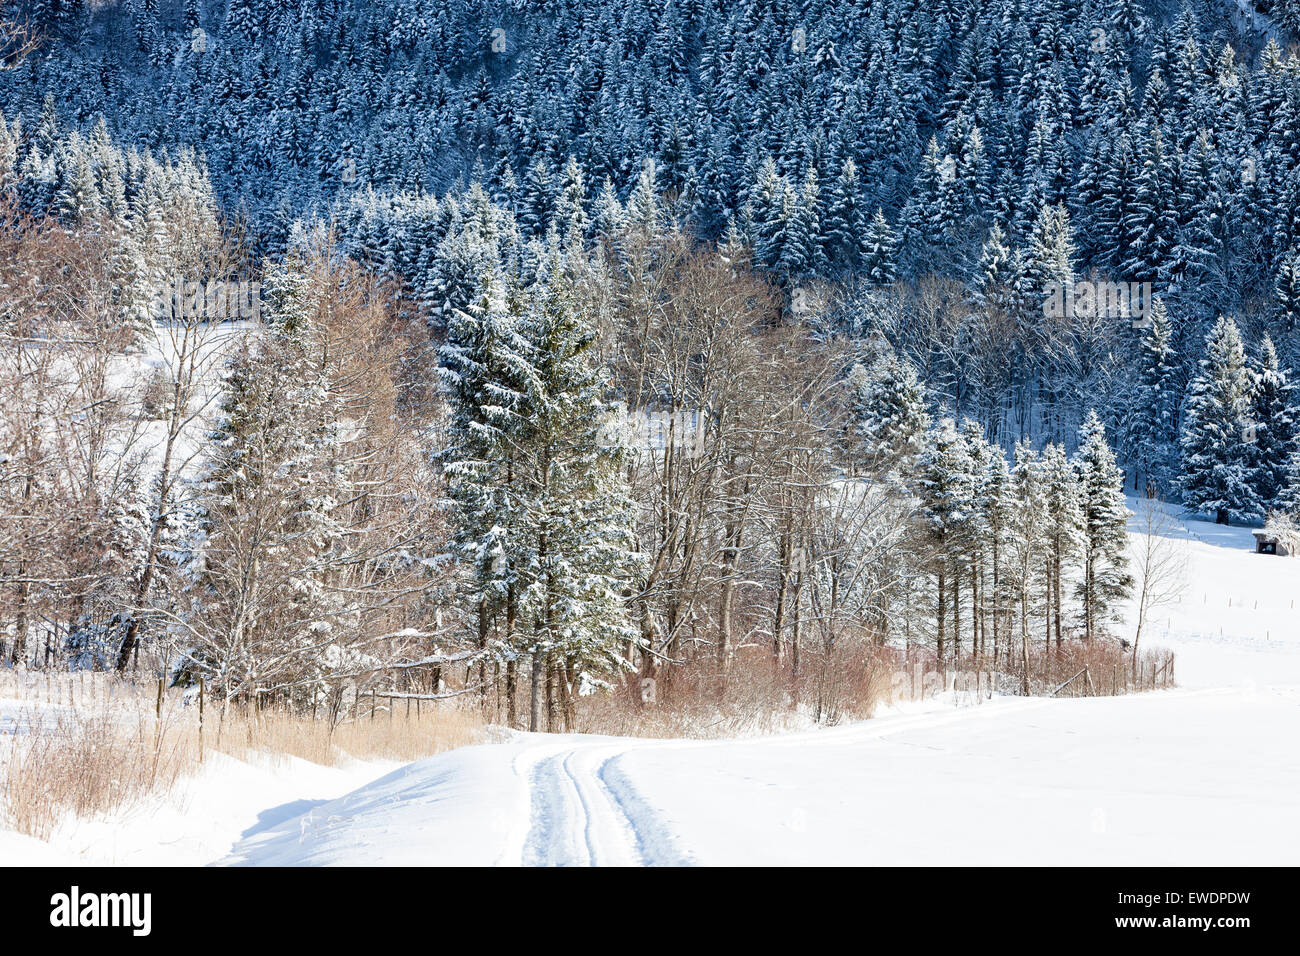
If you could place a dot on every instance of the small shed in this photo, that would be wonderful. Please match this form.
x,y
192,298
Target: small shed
x,y
1271,542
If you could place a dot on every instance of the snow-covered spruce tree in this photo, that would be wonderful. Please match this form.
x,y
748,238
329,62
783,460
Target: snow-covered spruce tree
x,y
1289,500
1106,580
846,220
242,21
1026,545
572,494
485,370
1273,419
942,486
997,509
1151,222
1064,527
1287,292
889,417
254,609
1216,477
879,252
644,211
976,533
995,276
454,269
771,205
1153,417
537,199
1044,272
571,205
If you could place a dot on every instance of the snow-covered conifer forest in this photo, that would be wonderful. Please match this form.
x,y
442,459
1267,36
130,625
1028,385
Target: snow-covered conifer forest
x,y
401,374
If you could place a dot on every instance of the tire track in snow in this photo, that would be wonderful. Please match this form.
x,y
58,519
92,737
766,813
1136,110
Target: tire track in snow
x,y
585,812
552,825
654,842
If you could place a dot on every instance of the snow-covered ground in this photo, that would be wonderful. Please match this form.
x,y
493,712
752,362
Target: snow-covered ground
x,y
1178,777
1237,623
198,822
1204,774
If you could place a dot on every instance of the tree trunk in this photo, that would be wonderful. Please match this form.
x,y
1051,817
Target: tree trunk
x,y
570,693
778,617
1056,593
550,694
996,597
1024,645
512,665
535,692
956,616
482,643
941,610
512,681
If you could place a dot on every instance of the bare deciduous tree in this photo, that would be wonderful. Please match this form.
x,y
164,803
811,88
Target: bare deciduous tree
x,y
1159,562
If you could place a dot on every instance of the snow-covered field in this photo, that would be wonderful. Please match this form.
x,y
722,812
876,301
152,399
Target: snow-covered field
x,y
1238,621
1177,777
1205,774
197,823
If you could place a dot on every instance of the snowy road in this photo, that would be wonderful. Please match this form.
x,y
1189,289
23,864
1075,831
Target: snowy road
x,y
583,811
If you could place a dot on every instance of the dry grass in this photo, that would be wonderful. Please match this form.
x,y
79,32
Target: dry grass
x,y
80,746
71,764
390,734
1107,667
755,697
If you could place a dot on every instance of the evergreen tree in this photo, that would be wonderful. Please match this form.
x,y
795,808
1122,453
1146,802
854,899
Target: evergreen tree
x,y
1027,542
1273,419
1106,582
570,208
570,489
846,220
879,252
537,200
1063,529
486,369
945,501
1216,476
889,415
1287,292
242,21
1153,432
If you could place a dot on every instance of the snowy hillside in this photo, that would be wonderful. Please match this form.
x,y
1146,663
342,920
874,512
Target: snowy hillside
x,y
1237,623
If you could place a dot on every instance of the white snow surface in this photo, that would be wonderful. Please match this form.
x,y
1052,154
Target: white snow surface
x,y
1205,774
1171,778
227,801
